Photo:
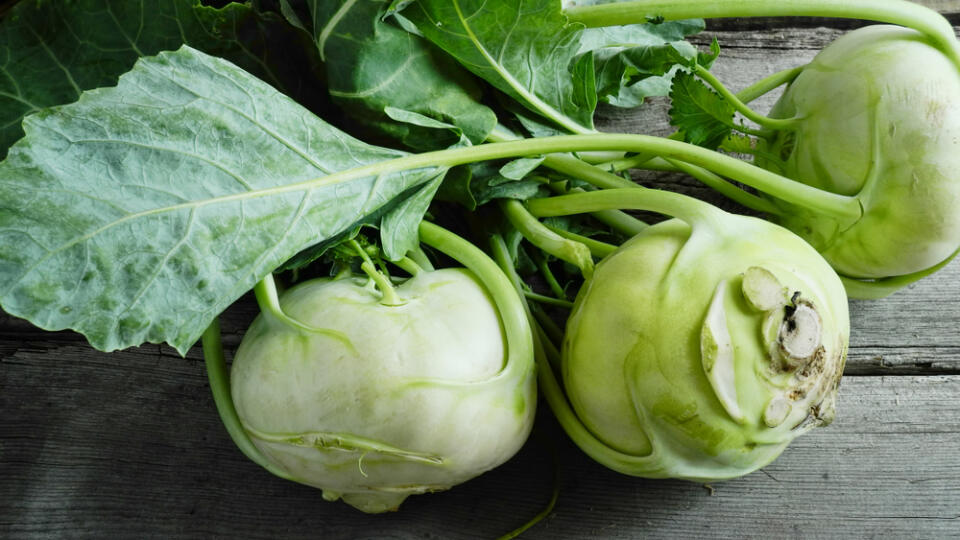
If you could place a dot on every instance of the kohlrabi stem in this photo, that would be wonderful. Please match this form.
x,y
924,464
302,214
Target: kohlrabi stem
x,y
551,389
740,106
549,300
548,276
418,256
586,172
579,169
645,162
597,248
663,202
408,265
269,301
901,12
540,236
619,221
220,387
879,288
501,254
509,301
389,294
768,84
550,328
748,131
726,189
542,514
841,207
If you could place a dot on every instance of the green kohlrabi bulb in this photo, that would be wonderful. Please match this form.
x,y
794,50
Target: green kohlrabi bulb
x,y
373,402
878,117
701,352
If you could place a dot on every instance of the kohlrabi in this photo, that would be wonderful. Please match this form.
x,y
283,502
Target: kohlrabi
x,y
877,116
373,391
700,347
874,117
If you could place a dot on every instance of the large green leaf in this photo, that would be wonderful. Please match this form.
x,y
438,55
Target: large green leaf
x,y
140,212
637,61
373,65
525,49
50,51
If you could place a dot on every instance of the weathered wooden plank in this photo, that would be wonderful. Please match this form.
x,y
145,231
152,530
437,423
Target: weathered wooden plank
x,y
128,445
943,6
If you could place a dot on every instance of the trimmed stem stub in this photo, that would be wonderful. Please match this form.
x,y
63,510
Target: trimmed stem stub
x,y
762,290
802,374
793,333
800,334
777,411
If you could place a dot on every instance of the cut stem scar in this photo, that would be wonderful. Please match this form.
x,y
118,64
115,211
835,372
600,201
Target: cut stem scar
x,y
800,333
717,355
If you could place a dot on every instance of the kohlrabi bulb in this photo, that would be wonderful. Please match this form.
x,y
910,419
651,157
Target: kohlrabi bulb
x,y
700,353
373,402
878,118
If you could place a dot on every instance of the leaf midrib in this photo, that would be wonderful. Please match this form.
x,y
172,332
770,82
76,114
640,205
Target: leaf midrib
x,y
306,185
545,109
331,24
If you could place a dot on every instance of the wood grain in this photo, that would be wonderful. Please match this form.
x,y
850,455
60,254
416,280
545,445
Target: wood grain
x,y
128,444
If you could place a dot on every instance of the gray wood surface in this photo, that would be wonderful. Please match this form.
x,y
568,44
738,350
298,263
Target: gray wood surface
x,y
128,444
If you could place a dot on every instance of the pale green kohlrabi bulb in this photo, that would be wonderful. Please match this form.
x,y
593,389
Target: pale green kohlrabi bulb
x,y
372,402
878,117
700,353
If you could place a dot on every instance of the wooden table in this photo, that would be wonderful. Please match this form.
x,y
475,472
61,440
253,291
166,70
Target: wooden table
x,y
128,444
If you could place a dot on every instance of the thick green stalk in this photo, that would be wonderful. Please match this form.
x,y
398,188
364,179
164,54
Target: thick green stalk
x,y
879,288
501,257
549,300
220,387
421,259
581,170
768,84
553,392
740,106
803,195
268,300
509,302
597,248
900,12
586,172
654,200
621,222
841,207
540,236
409,266
388,293
726,189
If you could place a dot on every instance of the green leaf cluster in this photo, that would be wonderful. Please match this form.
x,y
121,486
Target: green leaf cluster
x,y
140,212
151,188
50,52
